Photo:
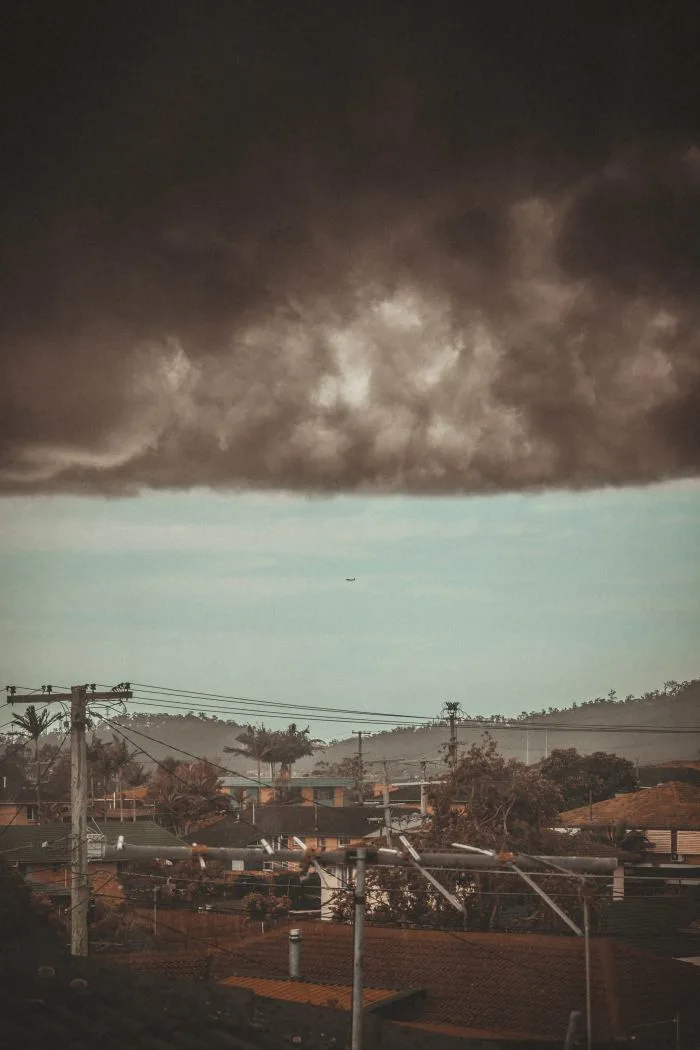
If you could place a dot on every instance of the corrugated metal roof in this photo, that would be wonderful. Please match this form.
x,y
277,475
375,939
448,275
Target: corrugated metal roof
x,y
50,843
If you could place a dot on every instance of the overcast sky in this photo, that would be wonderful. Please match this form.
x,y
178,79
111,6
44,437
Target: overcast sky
x,y
403,255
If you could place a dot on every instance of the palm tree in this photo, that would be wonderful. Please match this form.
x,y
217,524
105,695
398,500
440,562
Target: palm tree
x,y
33,725
120,756
293,744
256,742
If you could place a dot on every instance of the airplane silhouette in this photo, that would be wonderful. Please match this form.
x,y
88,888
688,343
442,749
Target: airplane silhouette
x,y
349,579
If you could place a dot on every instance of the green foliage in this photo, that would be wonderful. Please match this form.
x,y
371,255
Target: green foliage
x,y
185,793
588,778
493,803
262,906
278,747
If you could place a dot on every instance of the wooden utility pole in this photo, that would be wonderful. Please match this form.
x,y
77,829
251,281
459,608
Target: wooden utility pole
x,y
358,950
423,790
79,697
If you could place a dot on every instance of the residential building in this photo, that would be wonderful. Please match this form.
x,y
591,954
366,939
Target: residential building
x,y
327,791
23,809
42,853
667,814
285,827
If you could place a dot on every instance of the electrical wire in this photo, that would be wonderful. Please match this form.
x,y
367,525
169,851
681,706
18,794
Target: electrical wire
x,y
509,723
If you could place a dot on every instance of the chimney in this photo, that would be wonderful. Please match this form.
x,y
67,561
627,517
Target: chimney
x,y
295,955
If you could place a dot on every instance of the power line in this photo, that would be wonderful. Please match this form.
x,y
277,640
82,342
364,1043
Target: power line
x,y
415,723
168,690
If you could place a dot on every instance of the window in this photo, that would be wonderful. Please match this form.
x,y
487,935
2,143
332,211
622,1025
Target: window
x,y
268,865
237,865
31,812
323,794
343,840
320,843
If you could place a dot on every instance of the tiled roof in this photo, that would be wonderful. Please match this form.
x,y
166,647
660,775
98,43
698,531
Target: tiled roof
x,y
334,995
670,805
311,820
229,831
515,983
24,843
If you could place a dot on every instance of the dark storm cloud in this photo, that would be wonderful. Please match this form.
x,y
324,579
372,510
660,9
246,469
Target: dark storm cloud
x,y
273,247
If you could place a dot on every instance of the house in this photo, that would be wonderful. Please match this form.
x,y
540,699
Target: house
x,y
500,988
327,791
23,809
42,853
285,827
318,827
18,811
668,815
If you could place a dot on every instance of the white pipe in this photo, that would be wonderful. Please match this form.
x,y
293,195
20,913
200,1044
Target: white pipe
x,y
295,955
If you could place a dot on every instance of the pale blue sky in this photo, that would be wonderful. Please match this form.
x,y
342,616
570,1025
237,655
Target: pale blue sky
x,y
504,603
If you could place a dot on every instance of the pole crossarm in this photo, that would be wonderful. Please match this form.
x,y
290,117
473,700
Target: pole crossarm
x,y
118,693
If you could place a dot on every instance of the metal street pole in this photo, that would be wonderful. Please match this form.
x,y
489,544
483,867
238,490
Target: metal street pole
x,y
587,950
79,887
358,950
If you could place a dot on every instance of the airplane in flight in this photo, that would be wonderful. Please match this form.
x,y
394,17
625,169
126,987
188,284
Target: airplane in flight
x,y
349,579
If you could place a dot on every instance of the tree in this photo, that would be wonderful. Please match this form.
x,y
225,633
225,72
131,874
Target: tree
x,y
281,747
121,758
494,803
256,742
99,761
293,744
350,767
491,803
588,778
33,725
185,793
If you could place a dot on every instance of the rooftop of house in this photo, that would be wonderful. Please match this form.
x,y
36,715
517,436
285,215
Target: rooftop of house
x,y
337,996
50,843
516,985
274,820
673,804
229,831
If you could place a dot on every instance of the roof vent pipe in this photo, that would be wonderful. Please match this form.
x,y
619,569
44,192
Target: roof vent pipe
x,y
295,955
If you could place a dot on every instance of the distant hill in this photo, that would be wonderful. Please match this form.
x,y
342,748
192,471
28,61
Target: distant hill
x,y
677,704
